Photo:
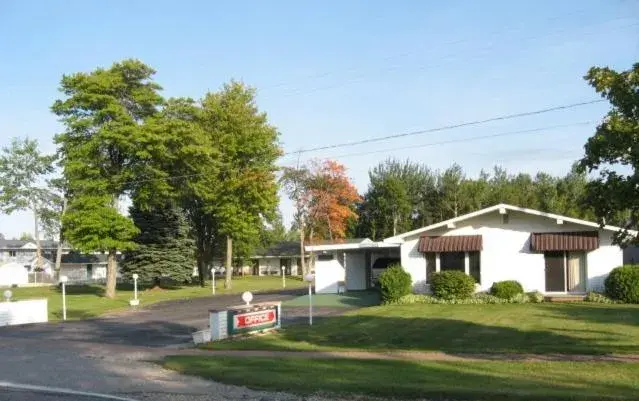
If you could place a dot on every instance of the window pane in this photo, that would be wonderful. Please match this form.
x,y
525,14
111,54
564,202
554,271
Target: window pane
x,y
451,261
430,265
474,261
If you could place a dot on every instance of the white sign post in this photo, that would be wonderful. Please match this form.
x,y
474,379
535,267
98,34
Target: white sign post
x,y
135,301
310,278
213,280
283,276
247,296
7,295
63,281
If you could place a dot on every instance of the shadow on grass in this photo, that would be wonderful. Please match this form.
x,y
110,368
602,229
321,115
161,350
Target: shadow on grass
x,y
430,380
595,313
380,333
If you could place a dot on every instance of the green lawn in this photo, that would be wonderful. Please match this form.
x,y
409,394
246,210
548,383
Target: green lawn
x,y
431,380
87,301
583,328
349,300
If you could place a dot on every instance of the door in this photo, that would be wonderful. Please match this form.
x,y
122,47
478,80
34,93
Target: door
x,y
555,277
576,268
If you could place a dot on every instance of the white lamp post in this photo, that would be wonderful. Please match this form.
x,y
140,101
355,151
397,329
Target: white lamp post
x,y
135,301
309,278
63,281
7,295
283,276
213,280
247,297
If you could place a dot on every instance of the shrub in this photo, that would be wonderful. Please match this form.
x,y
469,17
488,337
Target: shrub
x,y
452,284
506,289
535,297
394,283
599,298
477,299
622,284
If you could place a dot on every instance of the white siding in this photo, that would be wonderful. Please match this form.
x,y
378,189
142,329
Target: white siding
x,y
355,271
270,266
327,274
506,251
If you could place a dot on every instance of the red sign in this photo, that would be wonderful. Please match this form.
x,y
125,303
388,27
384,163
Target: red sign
x,y
253,319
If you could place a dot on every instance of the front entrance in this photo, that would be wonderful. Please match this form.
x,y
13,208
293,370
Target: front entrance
x,y
565,271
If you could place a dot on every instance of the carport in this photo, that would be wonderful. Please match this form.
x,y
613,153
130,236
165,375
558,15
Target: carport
x,y
352,264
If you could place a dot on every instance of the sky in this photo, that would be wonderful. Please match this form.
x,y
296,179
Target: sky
x,y
329,72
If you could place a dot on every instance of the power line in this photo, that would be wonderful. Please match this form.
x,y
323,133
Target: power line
x,y
468,139
447,127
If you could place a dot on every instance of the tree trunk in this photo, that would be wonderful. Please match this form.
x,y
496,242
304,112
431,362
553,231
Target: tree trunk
x,y
58,255
330,230
37,239
201,270
112,273
229,263
302,253
394,224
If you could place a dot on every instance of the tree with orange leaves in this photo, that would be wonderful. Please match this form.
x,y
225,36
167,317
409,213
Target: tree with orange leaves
x,y
324,198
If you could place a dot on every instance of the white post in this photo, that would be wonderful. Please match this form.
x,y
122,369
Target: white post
x,y
283,276
64,280
135,286
212,280
309,278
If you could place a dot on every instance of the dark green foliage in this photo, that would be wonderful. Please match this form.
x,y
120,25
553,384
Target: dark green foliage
x,y
164,249
506,289
452,284
622,284
613,150
408,195
395,283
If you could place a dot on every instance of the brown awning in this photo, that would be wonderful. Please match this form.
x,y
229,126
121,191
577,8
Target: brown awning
x,y
568,241
451,243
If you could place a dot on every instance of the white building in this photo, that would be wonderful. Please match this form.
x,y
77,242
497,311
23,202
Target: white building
x,y
545,252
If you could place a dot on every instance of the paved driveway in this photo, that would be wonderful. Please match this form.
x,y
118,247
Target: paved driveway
x,y
115,354
163,324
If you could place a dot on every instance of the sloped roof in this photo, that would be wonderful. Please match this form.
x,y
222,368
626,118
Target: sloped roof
x,y
284,248
505,207
75,257
17,244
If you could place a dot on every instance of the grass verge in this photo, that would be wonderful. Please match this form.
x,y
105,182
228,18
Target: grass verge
x,y
583,328
517,381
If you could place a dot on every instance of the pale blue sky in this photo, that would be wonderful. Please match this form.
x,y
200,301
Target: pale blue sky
x,y
335,71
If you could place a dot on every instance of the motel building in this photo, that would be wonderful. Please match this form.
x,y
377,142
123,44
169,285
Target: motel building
x,y
549,253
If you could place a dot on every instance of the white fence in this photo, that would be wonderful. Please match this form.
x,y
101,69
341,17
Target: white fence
x,y
23,312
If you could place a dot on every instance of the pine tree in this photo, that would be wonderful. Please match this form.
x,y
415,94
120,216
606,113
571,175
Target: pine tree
x,y
164,249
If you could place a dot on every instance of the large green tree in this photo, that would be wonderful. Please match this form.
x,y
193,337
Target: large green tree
x,y
23,170
164,248
613,151
104,154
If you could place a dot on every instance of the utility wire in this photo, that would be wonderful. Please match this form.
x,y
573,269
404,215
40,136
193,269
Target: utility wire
x,y
467,139
447,127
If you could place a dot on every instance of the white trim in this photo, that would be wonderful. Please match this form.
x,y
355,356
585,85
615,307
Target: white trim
x,y
502,206
368,244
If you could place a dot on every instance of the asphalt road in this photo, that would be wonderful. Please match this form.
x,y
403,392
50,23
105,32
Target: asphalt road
x,y
117,354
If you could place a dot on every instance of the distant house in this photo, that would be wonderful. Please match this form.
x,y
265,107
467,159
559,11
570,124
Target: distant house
x,y
545,252
79,267
24,253
270,261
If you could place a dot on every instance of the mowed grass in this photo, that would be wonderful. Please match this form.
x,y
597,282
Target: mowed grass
x,y
583,328
424,380
87,301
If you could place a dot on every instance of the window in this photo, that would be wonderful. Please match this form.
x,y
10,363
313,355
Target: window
x,y
430,265
12,253
474,261
325,257
452,261
89,270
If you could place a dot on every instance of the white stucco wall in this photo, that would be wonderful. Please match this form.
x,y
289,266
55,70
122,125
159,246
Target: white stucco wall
x,y
327,274
506,252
